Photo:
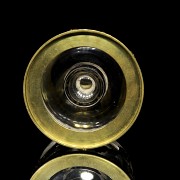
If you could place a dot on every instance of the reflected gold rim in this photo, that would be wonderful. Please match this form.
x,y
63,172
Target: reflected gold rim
x,y
43,119
55,165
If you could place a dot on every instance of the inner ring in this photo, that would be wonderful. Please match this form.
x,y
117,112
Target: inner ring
x,y
85,84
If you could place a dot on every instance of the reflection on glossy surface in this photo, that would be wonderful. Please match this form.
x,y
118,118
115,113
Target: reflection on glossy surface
x,y
113,152
87,175
80,173
109,162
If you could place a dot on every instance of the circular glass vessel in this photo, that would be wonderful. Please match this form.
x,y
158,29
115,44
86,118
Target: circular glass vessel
x,y
83,88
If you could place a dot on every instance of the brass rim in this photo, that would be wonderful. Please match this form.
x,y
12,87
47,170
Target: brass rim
x,y
45,121
55,165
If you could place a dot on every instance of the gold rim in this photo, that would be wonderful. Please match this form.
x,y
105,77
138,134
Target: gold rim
x,y
55,165
46,122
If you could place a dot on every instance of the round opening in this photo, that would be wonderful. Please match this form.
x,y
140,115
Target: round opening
x,y
85,84
81,91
